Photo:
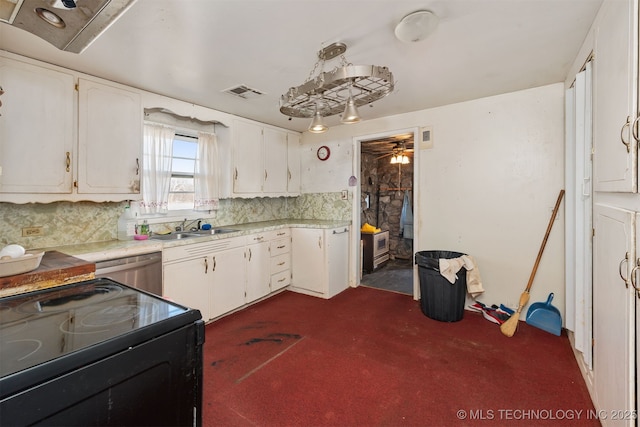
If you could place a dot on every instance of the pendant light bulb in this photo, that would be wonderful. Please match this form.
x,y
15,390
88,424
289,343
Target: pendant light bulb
x,y
394,159
350,114
317,124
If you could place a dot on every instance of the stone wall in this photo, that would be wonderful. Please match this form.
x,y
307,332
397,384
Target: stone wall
x,y
385,206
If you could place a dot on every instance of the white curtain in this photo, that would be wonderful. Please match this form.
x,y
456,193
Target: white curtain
x,y
206,175
156,168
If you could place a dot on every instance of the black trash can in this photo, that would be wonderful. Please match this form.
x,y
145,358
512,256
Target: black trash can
x,y
440,299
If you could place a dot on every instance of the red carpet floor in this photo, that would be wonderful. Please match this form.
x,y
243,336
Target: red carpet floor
x,y
368,357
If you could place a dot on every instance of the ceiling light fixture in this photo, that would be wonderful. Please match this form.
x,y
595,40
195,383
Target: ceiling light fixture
x,y
416,26
317,124
340,90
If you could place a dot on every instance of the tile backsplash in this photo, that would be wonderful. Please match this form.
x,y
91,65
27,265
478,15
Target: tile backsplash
x,y
67,223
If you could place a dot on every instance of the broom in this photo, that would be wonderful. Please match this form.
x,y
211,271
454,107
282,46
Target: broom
x,y
509,327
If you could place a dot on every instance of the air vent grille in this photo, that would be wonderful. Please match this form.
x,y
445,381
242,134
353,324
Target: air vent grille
x,y
243,91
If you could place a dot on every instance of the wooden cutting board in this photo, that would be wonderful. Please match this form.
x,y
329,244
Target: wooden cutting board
x,y
55,269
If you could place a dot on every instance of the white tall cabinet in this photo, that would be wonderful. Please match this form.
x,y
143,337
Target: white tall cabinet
x,y
615,210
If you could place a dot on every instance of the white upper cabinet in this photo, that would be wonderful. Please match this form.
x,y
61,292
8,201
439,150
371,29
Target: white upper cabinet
x,y
109,139
248,162
64,137
293,163
276,174
615,98
37,130
265,163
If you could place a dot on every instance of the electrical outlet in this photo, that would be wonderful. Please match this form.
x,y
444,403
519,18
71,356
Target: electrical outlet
x,y
345,194
32,231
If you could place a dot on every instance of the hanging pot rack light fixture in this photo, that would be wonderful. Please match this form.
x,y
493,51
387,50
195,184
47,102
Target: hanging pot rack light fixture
x,y
339,91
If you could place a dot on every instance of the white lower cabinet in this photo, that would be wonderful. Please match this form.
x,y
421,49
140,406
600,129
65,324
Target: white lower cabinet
x,y
280,250
186,282
206,276
258,264
220,276
320,260
228,278
615,257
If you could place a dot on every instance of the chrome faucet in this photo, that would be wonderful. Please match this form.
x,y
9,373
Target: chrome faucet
x,y
184,225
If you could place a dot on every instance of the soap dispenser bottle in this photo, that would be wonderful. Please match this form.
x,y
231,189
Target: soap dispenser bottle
x,y
126,225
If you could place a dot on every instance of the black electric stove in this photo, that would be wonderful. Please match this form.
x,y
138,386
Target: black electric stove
x,y
99,353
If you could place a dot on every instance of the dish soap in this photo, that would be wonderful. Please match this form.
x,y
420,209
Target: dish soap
x,y
144,228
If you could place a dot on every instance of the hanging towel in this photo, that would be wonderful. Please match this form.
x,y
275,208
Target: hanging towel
x,y
450,267
406,217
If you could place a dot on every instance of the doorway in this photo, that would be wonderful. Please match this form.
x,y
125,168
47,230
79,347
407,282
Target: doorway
x,y
386,211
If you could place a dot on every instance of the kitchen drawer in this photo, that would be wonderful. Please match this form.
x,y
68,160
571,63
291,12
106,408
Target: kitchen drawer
x,y
280,280
192,250
280,263
280,246
278,234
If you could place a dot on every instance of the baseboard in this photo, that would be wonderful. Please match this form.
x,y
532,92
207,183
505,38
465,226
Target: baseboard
x,y
587,374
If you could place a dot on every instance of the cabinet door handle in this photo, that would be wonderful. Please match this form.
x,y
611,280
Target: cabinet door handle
x,y
137,166
289,173
281,263
626,125
265,174
282,280
214,264
633,278
249,254
235,173
320,242
340,232
68,161
634,128
206,265
624,260
281,247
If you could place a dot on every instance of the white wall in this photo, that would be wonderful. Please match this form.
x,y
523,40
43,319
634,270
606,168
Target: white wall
x,y
487,187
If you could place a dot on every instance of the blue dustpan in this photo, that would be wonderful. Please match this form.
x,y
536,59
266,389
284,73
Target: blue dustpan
x,y
545,316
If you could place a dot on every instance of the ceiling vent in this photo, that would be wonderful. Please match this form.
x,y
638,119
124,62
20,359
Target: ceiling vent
x,y
244,92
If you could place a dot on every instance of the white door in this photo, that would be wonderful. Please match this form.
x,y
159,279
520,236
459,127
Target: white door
x,y
613,323
248,172
614,98
186,283
228,281
258,274
579,251
275,161
308,259
109,139
37,129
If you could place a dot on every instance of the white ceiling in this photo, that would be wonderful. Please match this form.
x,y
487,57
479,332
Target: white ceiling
x,y
194,49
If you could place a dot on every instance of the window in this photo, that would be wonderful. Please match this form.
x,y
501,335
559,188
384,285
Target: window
x,y
182,184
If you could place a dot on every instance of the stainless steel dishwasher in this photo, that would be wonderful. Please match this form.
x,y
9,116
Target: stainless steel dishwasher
x,y
141,271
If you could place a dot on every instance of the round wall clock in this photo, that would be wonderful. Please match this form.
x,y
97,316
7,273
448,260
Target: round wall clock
x,y
324,152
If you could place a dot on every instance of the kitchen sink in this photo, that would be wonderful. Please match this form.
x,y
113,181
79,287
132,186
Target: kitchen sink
x,y
192,234
213,231
172,236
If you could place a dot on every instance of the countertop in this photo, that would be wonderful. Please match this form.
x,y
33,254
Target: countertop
x,y
55,269
100,251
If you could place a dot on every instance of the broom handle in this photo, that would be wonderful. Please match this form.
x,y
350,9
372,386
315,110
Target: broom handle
x,y
544,241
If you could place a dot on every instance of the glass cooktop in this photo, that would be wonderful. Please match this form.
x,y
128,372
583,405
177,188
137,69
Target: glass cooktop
x,y
40,326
